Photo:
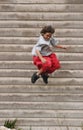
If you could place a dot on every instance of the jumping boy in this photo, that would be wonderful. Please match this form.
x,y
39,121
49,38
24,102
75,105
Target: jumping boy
x,y
43,57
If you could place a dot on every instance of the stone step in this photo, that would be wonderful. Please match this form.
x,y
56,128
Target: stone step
x,y
40,97
21,32
26,56
68,114
40,24
47,122
41,16
19,40
50,128
45,89
52,81
29,73
65,65
41,106
43,1
53,128
33,40
15,48
28,48
43,8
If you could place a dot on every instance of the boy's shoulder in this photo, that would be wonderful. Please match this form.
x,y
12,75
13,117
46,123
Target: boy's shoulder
x,y
41,40
54,41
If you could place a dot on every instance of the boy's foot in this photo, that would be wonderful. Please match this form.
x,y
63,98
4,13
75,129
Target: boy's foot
x,y
34,77
45,78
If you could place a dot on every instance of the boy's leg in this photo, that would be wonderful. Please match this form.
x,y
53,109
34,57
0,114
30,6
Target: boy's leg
x,y
46,66
43,68
45,77
34,77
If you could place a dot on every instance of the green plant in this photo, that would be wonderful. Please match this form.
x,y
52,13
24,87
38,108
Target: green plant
x,y
10,124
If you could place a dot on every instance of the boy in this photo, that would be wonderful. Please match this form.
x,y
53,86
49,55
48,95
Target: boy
x,y
43,57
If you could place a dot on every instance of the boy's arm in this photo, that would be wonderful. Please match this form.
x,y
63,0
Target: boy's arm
x,y
59,46
54,43
40,56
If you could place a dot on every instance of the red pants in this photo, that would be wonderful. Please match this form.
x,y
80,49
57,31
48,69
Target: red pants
x,y
51,64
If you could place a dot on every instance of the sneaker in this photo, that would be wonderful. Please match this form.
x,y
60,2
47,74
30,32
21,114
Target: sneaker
x,y
34,77
45,78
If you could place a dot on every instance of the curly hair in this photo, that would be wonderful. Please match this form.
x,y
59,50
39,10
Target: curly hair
x,y
47,29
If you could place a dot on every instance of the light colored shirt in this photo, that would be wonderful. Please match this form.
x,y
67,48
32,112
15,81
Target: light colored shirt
x,y
44,46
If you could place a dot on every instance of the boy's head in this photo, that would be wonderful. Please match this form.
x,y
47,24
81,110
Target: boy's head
x,y
47,32
48,29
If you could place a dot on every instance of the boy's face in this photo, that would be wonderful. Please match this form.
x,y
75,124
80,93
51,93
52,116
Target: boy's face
x,y
47,36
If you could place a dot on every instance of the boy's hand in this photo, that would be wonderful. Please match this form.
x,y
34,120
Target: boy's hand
x,y
62,47
65,48
43,60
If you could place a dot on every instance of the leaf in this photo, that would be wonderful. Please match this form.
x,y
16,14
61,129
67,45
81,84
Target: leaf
x,y
10,124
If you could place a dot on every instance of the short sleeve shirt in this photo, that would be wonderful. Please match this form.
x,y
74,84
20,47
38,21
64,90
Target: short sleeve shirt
x,y
44,46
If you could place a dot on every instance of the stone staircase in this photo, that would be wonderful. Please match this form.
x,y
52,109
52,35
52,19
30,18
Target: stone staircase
x,y
58,105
